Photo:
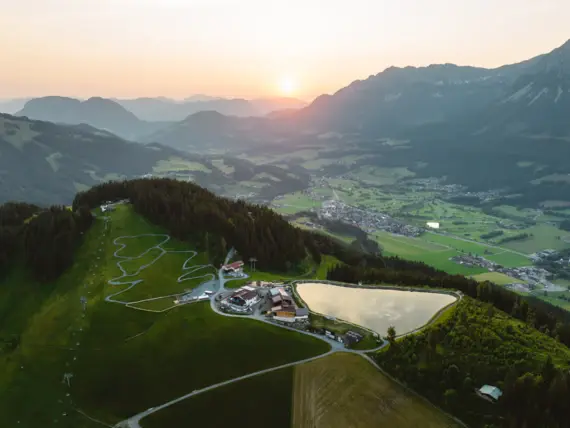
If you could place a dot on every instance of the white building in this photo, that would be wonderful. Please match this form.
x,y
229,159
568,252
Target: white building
x,y
432,224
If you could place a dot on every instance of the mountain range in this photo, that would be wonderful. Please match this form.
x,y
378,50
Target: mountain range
x,y
454,120
529,99
163,109
137,118
47,163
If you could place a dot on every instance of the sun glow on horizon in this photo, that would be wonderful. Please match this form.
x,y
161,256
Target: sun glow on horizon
x,y
287,86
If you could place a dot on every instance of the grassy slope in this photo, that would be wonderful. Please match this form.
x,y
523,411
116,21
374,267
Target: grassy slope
x,y
161,278
254,403
47,318
316,272
184,349
344,390
116,373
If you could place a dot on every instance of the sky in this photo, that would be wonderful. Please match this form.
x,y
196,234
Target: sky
x,y
256,48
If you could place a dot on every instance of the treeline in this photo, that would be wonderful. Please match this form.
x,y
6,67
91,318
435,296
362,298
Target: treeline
x,y
479,345
549,319
194,214
565,225
518,237
492,234
44,239
12,220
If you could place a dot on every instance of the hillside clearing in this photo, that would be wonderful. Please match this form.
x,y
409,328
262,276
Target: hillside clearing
x,y
344,390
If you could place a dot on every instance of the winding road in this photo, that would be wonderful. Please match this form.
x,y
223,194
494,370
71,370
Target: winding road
x,y
134,421
120,280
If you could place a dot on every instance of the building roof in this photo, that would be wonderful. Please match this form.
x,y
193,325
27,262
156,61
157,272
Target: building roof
x,y
301,312
354,334
245,294
491,391
274,291
276,299
234,265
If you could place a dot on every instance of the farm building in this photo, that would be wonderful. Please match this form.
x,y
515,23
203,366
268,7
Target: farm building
x,y
432,224
351,338
279,296
490,393
244,297
233,267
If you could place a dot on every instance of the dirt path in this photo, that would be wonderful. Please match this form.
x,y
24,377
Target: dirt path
x,y
124,279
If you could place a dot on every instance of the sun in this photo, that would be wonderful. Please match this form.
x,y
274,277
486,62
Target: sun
x,y
287,85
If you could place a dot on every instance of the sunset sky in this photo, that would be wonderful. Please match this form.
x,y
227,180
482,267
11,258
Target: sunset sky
x,y
256,48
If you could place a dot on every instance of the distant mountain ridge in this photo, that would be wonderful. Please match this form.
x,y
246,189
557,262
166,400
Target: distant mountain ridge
x,y
160,109
43,162
99,112
13,105
406,102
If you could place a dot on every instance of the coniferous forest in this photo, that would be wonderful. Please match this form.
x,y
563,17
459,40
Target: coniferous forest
x,y
45,239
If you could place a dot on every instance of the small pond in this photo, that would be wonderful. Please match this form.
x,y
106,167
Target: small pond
x,y
374,308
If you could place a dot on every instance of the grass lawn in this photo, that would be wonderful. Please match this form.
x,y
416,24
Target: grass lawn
x,y
155,304
254,403
298,200
431,253
496,277
457,244
186,348
344,390
179,164
405,246
327,262
508,259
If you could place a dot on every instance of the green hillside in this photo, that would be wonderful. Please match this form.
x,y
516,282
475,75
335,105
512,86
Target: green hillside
x,y
476,345
121,360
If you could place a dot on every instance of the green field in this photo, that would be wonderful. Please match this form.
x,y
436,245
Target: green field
x,y
344,390
496,277
295,202
556,298
498,255
417,249
254,403
179,164
189,348
381,176
544,236
122,360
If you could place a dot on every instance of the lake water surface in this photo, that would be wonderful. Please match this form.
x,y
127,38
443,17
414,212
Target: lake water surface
x,y
374,308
